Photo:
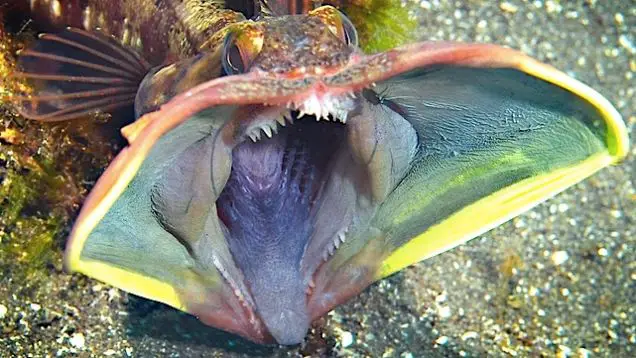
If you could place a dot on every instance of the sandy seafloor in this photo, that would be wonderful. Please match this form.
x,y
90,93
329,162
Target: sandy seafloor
x,y
559,280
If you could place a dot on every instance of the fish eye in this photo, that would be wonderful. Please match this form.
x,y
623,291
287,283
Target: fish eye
x,y
350,33
240,48
233,62
338,23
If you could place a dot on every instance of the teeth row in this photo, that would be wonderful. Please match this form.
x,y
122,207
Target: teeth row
x,y
324,106
226,276
339,239
237,293
338,116
269,128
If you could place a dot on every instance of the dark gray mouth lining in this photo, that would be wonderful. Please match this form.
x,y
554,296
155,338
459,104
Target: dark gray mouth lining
x,y
278,178
268,207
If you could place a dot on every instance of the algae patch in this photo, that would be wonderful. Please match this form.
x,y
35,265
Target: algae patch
x,y
45,172
382,24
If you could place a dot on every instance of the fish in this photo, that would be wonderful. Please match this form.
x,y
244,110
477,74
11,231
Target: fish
x,y
274,170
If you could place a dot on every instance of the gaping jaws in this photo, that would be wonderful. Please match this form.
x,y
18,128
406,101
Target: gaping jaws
x,y
295,188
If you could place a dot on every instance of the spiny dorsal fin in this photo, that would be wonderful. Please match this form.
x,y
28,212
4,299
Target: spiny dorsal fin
x,y
77,72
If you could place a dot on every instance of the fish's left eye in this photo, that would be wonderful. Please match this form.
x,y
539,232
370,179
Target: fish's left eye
x,y
240,49
338,23
233,62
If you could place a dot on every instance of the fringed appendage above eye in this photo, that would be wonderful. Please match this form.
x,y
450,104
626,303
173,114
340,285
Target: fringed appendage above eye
x,y
75,73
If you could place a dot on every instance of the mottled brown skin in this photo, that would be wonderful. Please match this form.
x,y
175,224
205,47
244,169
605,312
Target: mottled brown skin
x,y
282,53
186,38
163,31
293,7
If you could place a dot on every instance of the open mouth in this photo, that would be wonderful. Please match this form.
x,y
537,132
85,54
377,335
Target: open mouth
x,y
294,189
281,176
264,200
288,187
258,215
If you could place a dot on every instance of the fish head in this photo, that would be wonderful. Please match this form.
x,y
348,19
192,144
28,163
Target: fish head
x,y
316,43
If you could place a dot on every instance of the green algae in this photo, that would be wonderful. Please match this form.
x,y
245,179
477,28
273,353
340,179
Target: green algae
x,y
382,24
27,234
45,172
30,246
27,178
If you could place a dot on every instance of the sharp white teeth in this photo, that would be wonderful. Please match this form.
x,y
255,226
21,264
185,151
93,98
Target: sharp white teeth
x,y
239,295
321,107
340,238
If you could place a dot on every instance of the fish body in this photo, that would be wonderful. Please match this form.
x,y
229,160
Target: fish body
x,y
161,48
162,31
274,170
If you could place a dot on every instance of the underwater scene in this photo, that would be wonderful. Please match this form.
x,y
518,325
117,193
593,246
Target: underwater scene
x,y
343,178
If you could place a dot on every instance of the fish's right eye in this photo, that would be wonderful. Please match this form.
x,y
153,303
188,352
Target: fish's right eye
x,y
338,23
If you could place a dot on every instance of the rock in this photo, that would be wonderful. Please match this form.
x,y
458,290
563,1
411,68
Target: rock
x,y
346,339
77,340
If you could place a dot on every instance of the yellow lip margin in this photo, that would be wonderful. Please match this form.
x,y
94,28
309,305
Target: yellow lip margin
x,y
514,200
